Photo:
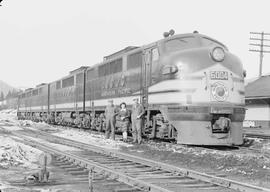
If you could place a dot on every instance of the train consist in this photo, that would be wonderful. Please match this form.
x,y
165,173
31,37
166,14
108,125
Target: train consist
x,y
191,86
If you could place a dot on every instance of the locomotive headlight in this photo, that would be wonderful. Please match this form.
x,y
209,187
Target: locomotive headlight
x,y
218,54
219,91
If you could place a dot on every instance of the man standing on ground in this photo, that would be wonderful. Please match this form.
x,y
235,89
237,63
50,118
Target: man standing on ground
x,y
110,114
136,117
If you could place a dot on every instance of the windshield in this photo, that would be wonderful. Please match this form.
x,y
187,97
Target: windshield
x,y
211,42
189,42
181,43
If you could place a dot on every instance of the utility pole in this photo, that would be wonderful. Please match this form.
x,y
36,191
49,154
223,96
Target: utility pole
x,y
259,40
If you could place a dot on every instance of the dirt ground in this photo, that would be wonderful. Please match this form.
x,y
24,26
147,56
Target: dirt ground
x,y
238,164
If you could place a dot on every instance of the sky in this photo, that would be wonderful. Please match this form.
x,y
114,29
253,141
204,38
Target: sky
x,y
42,40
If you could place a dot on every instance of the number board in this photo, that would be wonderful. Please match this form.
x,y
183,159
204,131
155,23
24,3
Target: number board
x,y
218,75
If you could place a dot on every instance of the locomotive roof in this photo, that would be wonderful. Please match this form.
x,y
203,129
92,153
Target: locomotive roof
x,y
28,89
78,70
191,35
71,73
125,50
259,88
41,84
131,48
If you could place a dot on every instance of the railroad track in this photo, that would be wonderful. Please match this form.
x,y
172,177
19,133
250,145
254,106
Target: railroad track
x,y
254,135
247,147
139,173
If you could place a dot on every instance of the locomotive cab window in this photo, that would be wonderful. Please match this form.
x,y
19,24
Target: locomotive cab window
x,y
210,42
155,54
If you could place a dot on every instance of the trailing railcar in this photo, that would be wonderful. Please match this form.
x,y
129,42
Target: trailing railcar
x,y
67,97
191,86
33,104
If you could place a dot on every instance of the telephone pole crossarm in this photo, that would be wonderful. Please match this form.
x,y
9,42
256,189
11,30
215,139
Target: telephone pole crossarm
x,y
260,38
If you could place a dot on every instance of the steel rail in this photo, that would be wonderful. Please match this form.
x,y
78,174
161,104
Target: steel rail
x,y
223,182
96,167
227,183
254,135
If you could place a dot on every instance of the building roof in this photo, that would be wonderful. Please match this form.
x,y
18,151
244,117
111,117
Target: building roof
x,y
260,88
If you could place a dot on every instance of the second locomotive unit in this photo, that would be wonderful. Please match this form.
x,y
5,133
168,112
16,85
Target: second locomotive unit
x,y
191,86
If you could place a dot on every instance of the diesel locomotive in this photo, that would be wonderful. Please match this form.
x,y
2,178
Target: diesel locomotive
x,y
191,86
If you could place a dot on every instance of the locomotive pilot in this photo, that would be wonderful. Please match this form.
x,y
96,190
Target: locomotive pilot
x,y
110,114
136,118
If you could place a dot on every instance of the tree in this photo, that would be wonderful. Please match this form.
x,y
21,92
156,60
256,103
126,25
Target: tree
x,y
8,95
2,97
14,93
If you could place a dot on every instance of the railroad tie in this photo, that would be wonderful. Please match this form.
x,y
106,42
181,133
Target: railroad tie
x,y
75,168
126,190
79,172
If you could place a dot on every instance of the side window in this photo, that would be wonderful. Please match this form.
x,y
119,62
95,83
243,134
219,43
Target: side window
x,y
40,90
155,54
68,82
58,85
28,94
134,60
102,70
35,92
90,74
116,66
79,78
110,68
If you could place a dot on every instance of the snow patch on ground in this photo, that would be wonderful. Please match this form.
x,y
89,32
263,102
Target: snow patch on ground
x,y
8,116
93,139
11,128
13,153
37,125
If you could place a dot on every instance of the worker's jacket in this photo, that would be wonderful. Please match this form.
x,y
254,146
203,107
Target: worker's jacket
x,y
110,112
137,110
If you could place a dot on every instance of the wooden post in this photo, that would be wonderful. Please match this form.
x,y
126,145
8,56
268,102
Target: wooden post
x,y
90,177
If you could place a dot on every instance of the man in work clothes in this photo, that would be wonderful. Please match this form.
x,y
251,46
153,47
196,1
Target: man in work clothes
x,y
136,118
110,114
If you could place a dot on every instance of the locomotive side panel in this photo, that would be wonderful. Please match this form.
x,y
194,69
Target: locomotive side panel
x,y
67,94
118,79
39,99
